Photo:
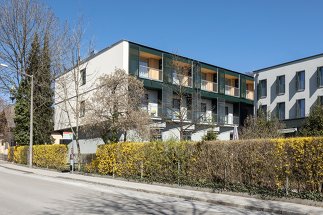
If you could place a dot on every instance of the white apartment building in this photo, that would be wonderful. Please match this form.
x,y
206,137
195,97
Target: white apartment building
x,y
290,89
223,98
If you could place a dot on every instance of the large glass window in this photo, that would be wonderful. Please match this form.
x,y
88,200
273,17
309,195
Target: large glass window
x,y
281,110
300,80
263,88
280,84
300,108
143,68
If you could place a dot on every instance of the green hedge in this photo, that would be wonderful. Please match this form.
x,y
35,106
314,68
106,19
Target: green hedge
x,y
279,167
48,156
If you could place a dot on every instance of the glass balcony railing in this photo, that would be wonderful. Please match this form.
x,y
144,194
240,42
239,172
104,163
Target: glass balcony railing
x,y
182,80
250,94
229,120
150,73
181,115
209,86
232,91
204,117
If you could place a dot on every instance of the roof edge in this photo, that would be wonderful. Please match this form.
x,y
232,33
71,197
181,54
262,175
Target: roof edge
x,y
289,62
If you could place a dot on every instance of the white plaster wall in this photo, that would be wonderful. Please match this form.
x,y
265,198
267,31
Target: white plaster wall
x,y
104,63
310,93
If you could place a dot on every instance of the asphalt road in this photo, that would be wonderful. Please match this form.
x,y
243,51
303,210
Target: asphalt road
x,y
26,193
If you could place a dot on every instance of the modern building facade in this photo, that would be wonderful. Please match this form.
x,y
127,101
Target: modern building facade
x,y
289,90
217,99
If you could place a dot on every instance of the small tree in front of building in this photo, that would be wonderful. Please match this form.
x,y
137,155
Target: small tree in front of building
x,y
115,109
313,125
261,126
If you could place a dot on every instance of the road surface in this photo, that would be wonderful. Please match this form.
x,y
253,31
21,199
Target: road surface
x,y
27,193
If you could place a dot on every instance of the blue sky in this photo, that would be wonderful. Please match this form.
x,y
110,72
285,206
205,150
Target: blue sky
x,y
238,35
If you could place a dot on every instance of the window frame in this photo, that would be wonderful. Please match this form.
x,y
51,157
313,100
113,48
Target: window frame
x,y
279,110
82,109
261,83
320,77
298,81
83,76
298,108
280,86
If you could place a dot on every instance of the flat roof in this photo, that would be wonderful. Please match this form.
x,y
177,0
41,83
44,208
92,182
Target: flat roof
x,y
289,63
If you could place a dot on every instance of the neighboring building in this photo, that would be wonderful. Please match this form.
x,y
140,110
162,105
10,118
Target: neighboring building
x,y
220,98
290,89
7,136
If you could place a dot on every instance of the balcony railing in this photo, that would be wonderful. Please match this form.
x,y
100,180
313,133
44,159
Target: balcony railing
x,y
232,91
181,115
182,80
250,94
229,120
150,73
209,86
204,117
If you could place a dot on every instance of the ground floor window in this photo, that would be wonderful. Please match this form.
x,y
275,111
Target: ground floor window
x,y
156,134
187,135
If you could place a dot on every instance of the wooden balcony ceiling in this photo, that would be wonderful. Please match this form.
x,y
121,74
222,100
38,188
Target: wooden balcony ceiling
x,y
207,71
230,77
149,56
249,82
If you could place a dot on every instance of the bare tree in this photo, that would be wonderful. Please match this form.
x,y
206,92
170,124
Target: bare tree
x,y
115,105
183,105
68,90
20,20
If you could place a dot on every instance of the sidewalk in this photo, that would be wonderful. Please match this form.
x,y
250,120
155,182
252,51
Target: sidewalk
x,y
223,199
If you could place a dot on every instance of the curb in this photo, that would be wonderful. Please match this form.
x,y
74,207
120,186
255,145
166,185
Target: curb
x,y
186,197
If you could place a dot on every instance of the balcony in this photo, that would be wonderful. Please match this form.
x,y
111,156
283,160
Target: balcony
x,y
182,80
150,73
232,91
209,86
250,94
204,117
154,111
229,120
183,115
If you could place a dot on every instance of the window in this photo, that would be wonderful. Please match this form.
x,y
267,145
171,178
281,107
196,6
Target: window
x,y
203,107
281,110
320,100
143,68
263,109
176,104
320,77
187,135
300,108
263,88
300,81
82,108
83,76
156,134
280,85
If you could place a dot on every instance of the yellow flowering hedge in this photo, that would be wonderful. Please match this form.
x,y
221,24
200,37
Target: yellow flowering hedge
x,y
295,164
49,156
